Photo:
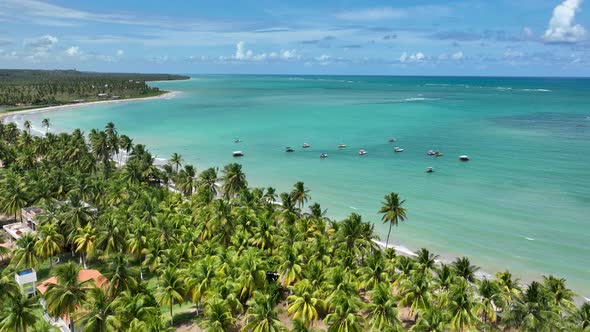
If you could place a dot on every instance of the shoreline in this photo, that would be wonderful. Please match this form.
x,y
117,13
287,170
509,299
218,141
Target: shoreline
x,y
166,95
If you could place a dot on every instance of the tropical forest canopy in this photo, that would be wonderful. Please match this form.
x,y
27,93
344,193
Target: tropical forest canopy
x,y
174,243
56,87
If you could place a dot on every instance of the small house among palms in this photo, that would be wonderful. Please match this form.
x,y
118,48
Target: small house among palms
x,y
26,279
28,223
92,277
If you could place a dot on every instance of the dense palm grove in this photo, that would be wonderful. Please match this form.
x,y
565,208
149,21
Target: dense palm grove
x,y
54,87
169,238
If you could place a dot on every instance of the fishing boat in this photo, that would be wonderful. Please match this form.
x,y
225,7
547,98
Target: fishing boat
x,y
362,152
430,153
324,155
238,154
429,170
341,146
464,158
438,154
289,149
398,149
305,145
391,140
237,140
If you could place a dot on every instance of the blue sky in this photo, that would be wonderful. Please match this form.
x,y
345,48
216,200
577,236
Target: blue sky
x,y
374,37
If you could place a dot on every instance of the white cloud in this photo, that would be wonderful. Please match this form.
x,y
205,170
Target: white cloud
x,y
512,54
371,14
418,57
120,53
561,27
527,32
457,56
73,51
45,42
243,54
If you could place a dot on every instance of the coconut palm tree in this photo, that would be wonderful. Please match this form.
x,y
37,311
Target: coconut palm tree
x,y
300,194
305,305
176,161
13,194
120,275
98,313
462,306
68,294
426,260
50,242
533,312
434,320
20,313
464,269
580,319
416,293
234,180
346,316
27,126
25,255
393,212
509,287
218,317
84,241
45,123
489,298
563,296
382,310
261,315
170,289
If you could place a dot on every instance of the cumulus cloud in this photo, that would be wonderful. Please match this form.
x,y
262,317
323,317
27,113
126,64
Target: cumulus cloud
x,y
73,51
418,57
43,43
561,27
120,53
244,54
457,56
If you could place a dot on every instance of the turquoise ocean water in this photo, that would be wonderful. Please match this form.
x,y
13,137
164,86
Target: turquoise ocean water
x,y
522,202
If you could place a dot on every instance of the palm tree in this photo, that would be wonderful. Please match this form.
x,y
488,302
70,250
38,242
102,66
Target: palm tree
x,y
434,320
234,180
120,275
13,194
126,144
461,306
84,242
580,318
187,180
563,296
50,242
489,298
382,310
45,124
170,289
261,316
218,317
346,316
426,260
393,212
509,287
305,305
98,313
300,194
416,293
20,313
27,126
464,269
533,312
176,161
25,255
68,294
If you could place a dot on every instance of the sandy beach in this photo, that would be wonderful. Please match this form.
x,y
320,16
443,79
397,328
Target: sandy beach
x,y
166,95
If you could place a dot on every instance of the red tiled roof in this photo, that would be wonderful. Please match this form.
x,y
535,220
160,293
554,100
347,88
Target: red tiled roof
x,y
84,275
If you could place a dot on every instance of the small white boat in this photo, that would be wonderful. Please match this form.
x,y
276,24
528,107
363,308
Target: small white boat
x,y
362,152
324,155
341,146
305,145
429,170
398,149
430,153
238,154
464,158
237,140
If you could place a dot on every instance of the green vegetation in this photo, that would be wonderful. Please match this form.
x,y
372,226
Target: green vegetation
x,y
34,88
177,245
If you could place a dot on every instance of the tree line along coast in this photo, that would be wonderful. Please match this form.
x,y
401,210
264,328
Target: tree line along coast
x,y
116,243
22,89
